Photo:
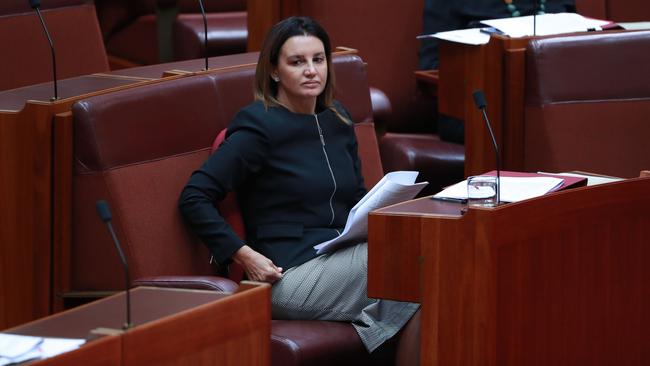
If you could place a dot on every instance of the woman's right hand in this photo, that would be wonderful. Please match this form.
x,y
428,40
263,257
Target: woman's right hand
x,y
257,266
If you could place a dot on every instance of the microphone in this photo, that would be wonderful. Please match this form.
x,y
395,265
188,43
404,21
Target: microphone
x,y
104,213
481,104
205,34
536,7
36,5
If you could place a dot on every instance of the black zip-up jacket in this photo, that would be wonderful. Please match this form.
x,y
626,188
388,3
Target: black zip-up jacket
x,y
296,176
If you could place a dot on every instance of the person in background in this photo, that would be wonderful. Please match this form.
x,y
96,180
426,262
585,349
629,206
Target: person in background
x,y
445,15
291,156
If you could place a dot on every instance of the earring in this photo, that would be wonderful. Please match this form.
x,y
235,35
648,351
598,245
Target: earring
x,y
275,78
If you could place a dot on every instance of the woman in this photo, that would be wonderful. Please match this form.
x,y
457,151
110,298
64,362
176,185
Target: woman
x,y
292,158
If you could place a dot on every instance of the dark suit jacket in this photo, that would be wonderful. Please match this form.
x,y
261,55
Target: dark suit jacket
x,y
295,185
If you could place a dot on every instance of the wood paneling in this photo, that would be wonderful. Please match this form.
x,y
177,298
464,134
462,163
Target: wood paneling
x,y
556,280
171,327
25,227
497,68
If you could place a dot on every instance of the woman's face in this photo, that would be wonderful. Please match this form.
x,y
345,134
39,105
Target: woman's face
x,y
302,73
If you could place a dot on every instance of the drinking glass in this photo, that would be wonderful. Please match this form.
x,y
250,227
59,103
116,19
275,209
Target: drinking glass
x,y
482,191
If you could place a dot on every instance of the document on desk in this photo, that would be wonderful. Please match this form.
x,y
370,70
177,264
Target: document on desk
x,y
545,24
394,187
473,36
513,189
592,179
16,348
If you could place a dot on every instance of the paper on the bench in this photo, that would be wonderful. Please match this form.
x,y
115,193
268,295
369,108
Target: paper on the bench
x,y
513,189
472,36
545,25
16,348
394,187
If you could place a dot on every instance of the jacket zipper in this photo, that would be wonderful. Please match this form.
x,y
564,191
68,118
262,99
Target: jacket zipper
x,y
329,166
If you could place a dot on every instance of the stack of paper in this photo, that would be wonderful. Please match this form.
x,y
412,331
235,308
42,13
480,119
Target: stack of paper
x,y
541,25
545,25
16,348
592,179
472,36
513,189
394,187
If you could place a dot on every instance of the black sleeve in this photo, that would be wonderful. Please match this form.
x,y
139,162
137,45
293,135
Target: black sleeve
x,y
241,154
354,153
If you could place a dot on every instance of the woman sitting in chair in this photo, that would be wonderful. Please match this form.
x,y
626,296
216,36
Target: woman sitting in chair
x,y
291,156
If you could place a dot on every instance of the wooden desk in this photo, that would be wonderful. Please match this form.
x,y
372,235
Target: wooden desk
x,y
497,68
557,280
27,138
171,327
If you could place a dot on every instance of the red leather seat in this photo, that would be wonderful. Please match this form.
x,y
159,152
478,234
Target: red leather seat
x,y
409,145
26,59
133,30
587,104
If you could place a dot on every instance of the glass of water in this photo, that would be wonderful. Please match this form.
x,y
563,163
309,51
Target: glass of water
x,y
482,191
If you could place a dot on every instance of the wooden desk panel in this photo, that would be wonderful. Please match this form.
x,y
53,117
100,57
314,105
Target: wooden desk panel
x,y
235,330
160,70
557,280
26,171
493,69
171,327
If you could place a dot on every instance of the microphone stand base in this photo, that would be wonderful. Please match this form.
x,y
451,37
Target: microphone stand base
x,y
101,332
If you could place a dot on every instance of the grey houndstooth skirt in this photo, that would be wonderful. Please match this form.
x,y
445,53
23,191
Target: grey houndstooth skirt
x,y
333,286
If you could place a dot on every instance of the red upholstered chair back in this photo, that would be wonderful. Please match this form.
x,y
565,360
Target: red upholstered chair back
x,y
26,57
588,104
133,29
137,148
191,6
13,7
615,10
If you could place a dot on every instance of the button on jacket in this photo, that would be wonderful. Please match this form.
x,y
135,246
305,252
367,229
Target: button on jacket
x,y
296,176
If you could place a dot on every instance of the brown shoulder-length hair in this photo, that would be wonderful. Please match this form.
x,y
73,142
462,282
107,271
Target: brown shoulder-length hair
x,y
266,89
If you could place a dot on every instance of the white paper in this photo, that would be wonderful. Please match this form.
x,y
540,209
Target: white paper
x,y
12,345
15,348
592,180
54,346
472,36
546,24
513,189
634,25
394,187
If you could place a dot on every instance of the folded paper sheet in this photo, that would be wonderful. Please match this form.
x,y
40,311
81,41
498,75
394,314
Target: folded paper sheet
x,y
394,187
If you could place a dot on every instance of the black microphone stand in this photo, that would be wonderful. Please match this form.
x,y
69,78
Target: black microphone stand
x,y
496,152
205,34
128,323
104,213
481,104
49,39
535,9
